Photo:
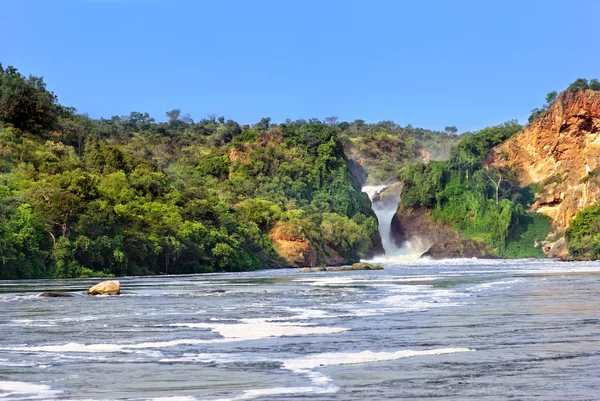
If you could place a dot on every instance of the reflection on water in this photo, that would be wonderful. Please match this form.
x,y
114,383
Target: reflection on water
x,y
445,329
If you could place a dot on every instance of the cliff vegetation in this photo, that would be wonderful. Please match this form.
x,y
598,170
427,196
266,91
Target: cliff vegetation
x,y
474,211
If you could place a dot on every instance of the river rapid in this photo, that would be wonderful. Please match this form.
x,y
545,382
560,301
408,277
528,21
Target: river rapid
x,y
452,330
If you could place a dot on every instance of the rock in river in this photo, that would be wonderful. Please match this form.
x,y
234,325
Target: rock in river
x,y
55,295
357,266
111,287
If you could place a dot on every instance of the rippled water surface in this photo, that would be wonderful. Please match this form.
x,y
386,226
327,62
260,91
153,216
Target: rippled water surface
x,y
453,330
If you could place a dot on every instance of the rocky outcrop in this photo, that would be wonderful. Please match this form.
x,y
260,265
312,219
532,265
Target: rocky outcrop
x,y
388,196
462,248
557,249
297,251
436,239
111,287
292,246
560,152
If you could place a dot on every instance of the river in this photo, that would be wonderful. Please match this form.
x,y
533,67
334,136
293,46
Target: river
x,y
451,330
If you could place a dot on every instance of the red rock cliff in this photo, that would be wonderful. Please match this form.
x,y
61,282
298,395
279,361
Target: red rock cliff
x,y
558,151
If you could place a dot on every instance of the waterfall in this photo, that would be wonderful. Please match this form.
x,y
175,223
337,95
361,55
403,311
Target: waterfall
x,y
385,205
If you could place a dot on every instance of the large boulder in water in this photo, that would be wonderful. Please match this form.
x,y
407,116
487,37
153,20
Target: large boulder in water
x,y
110,287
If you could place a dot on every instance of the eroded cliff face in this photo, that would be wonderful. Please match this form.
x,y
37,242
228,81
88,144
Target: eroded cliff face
x,y
558,152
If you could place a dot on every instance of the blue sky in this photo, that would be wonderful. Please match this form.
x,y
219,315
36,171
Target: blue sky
x,y
425,63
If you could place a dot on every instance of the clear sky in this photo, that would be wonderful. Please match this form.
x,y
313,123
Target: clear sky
x,y
426,63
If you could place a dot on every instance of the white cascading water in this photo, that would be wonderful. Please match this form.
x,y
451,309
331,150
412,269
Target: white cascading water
x,y
385,210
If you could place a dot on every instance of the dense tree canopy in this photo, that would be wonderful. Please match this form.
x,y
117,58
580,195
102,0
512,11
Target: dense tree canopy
x,y
129,195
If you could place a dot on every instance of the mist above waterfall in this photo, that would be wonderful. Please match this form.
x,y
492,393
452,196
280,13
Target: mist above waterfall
x,y
385,203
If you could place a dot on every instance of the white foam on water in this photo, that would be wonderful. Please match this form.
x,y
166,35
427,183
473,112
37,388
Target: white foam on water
x,y
8,363
256,330
322,383
111,348
205,358
279,391
348,358
174,398
32,323
19,298
372,281
496,285
305,314
29,391
70,347
328,281
175,343
252,329
412,298
306,366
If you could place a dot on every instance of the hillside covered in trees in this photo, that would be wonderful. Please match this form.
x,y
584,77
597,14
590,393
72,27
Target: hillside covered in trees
x,y
384,148
129,195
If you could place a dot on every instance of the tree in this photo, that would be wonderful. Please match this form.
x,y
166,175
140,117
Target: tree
x,y
595,85
333,120
551,97
263,124
535,114
173,115
451,130
495,176
579,84
25,102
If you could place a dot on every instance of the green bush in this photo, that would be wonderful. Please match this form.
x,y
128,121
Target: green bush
x,y
583,234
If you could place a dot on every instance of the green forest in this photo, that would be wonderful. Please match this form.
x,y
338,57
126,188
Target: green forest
x,y
131,195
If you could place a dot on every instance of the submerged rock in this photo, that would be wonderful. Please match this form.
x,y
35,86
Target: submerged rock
x,y
357,266
110,287
56,295
314,269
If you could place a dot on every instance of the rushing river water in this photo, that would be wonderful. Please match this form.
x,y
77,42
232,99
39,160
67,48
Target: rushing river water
x,y
452,330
